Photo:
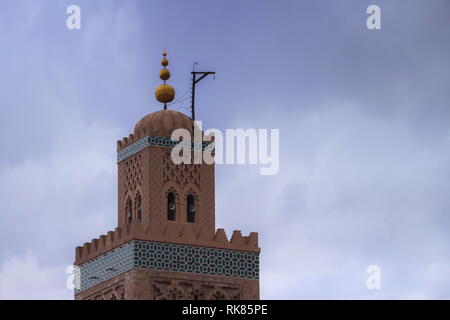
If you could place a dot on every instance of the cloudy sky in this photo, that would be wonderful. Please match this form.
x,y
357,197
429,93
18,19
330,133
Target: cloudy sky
x,y
364,134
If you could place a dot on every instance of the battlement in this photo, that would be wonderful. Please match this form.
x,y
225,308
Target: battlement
x,y
126,141
172,233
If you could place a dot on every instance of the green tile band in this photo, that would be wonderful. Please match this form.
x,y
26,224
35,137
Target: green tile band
x,y
170,257
158,141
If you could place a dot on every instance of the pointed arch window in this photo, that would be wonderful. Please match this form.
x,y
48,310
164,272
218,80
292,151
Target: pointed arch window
x,y
128,210
171,206
191,209
138,203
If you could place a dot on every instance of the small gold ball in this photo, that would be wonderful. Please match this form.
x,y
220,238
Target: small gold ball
x,y
165,62
165,93
164,74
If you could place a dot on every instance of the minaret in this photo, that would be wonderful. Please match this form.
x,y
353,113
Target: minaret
x,y
166,245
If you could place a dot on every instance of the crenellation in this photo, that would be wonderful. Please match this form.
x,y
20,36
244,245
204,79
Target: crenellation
x,y
78,252
86,249
172,234
110,238
252,239
237,238
94,243
221,236
102,242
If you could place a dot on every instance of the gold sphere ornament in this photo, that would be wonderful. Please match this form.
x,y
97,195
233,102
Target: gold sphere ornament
x,y
164,74
165,93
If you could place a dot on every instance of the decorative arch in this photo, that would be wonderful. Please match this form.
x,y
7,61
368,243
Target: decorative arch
x,y
172,204
138,206
192,204
128,209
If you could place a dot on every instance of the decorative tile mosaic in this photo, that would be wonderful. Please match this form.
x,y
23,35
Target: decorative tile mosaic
x,y
158,142
105,266
170,257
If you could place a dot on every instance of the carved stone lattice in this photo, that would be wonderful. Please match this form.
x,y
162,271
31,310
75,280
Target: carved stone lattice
x,y
195,294
168,289
181,174
218,295
133,172
116,292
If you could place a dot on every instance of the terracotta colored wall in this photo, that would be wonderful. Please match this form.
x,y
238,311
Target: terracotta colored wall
x,y
152,174
140,284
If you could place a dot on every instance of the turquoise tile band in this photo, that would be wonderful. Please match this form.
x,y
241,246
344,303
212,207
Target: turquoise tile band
x,y
158,141
169,257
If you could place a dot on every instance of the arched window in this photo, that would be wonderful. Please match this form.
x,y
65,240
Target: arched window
x,y
138,203
171,206
191,208
128,210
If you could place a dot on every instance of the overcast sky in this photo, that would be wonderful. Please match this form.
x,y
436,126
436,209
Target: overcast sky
x,y
364,134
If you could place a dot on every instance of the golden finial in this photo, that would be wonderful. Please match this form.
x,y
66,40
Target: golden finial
x,y
165,93
164,61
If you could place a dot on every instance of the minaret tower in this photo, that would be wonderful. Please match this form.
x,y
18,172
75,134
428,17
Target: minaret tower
x,y
166,245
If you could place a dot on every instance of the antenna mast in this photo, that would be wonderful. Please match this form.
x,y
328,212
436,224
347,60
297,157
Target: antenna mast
x,y
194,82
